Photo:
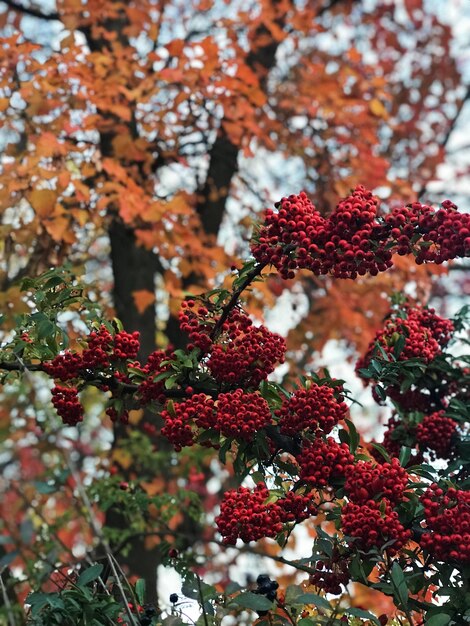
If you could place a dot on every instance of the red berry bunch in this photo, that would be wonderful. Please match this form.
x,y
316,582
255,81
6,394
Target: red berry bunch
x,y
126,345
183,419
97,353
122,417
245,354
244,514
435,433
296,508
425,335
149,389
197,322
447,515
331,573
374,524
240,415
289,234
432,235
323,461
64,366
318,407
367,480
247,514
354,240
67,404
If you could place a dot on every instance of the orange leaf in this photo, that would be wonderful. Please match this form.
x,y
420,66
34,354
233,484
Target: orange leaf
x,y
377,108
143,298
43,202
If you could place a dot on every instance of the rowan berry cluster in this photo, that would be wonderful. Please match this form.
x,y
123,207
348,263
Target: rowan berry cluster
x,y
247,514
347,244
245,354
322,462
433,236
424,333
197,323
184,419
318,407
435,434
447,515
354,240
240,415
373,524
367,481
66,403
331,573
149,389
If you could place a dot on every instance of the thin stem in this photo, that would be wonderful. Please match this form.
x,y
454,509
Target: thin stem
x,y
6,601
97,530
249,278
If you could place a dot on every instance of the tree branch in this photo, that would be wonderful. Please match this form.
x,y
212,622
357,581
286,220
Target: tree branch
x,y
31,11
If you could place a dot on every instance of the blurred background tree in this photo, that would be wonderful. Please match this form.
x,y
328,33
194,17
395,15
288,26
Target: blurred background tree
x,y
139,140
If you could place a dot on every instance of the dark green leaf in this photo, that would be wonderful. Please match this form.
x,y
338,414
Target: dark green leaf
x,y
254,601
90,574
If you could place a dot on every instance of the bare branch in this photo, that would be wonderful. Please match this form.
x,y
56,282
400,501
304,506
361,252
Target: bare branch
x,y
31,11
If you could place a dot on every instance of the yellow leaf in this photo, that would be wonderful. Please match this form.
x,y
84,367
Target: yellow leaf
x,y
59,229
4,102
122,458
143,298
377,108
43,202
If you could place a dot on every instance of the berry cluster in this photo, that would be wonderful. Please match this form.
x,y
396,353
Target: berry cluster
x,y
197,323
367,481
424,333
266,587
245,354
249,515
447,517
149,389
244,514
318,407
240,415
331,573
354,240
126,345
64,367
67,404
435,434
433,236
183,419
322,462
373,524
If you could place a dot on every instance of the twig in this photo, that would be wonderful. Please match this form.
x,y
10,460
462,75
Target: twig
x,y
6,600
31,11
97,530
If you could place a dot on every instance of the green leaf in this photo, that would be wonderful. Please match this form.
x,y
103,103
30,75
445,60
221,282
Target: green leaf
x,y
353,436
440,619
382,451
254,601
170,382
140,590
361,613
90,574
399,584
313,598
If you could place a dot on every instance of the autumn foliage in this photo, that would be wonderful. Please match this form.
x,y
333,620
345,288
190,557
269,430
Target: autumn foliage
x,y
152,416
